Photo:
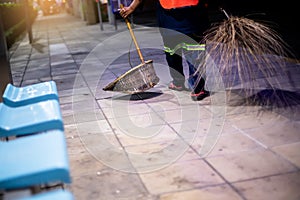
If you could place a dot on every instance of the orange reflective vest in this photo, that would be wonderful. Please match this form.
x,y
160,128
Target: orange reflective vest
x,y
169,4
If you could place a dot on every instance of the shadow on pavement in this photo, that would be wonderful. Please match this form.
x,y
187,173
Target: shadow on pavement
x,y
139,96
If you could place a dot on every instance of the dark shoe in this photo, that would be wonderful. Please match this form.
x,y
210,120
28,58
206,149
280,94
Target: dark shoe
x,y
199,96
172,86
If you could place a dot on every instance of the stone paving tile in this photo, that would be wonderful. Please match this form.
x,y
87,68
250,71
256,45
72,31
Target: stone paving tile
x,y
66,82
41,63
189,154
164,102
121,110
278,187
250,164
109,184
69,68
82,164
190,130
277,133
147,157
109,154
74,143
236,112
72,96
93,127
107,103
226,144
257,119
34,81
221,192
58,49
184,114
151,128
271,124
29,75
143,136
83,116
86,104
289,152
180,176
66,109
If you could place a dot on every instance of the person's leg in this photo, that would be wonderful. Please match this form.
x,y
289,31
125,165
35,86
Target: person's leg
x,y
195,64
196,80
171,38
176,71
191,59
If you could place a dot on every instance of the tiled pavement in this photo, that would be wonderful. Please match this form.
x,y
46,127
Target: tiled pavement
x,y
158,144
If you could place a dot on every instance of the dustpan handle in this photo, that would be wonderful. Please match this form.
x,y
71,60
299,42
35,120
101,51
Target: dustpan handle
x,y
133,37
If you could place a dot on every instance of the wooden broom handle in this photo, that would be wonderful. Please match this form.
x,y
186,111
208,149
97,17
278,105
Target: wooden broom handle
x,y
133,37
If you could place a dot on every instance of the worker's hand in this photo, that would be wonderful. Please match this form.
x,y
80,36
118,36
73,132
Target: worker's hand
x,y
125,11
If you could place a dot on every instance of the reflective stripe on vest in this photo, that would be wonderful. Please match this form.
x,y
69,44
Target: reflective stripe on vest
x,y
169,4
188,47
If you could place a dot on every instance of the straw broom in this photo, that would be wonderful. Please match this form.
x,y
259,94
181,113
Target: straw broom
x,y
249,55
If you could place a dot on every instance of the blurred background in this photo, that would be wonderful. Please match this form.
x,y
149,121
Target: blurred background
x,y
281,15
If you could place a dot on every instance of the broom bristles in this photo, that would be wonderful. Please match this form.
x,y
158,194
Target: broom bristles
x,y
247,54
